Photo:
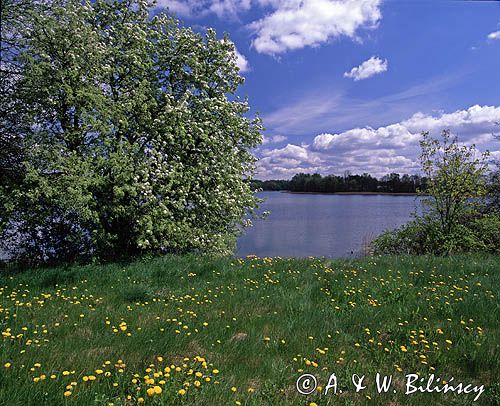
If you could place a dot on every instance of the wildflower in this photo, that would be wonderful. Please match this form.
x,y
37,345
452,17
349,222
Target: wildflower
x,y
182,392
67,393
7,365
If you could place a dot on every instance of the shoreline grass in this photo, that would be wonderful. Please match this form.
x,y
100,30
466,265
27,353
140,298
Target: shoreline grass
x,y
209,331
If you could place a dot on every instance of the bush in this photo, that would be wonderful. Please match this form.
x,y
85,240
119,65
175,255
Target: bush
x,y
425,236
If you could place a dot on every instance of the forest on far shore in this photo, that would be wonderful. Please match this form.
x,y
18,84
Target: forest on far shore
x,y
315,183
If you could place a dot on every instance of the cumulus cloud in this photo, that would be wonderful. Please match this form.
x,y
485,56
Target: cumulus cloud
x,y
275,139
371,67
296,24
494,35
391,148
289,24
241,62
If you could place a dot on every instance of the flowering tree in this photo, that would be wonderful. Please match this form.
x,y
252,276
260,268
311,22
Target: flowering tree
x,y
133,139
456,178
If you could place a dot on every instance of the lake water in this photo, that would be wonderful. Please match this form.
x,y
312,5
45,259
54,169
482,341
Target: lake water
x,y
302,225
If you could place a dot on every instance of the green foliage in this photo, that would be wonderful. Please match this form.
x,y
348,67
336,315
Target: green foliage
x,y
455,219
133,140
390,183
457,178
425,236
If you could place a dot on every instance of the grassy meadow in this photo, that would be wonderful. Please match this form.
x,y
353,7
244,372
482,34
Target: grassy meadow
x,y
204,331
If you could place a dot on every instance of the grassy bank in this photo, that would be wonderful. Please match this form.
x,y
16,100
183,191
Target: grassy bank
x,y
212,332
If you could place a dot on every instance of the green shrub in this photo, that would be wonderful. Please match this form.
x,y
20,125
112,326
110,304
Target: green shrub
x,y
425,236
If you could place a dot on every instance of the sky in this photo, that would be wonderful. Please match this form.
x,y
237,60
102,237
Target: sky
x,y
351,84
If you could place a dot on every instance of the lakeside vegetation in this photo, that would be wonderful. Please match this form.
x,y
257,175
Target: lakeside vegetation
x,y
461,209
348,183
122,134
199,331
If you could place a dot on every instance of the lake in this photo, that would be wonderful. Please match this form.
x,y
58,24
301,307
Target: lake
x,y
302,225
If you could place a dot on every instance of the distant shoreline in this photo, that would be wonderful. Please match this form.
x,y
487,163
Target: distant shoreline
x,y
349,193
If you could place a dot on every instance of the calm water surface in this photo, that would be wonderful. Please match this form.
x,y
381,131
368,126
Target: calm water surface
x,y
302,225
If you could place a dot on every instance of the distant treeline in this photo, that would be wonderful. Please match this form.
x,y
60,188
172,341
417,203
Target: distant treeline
x,y
315,183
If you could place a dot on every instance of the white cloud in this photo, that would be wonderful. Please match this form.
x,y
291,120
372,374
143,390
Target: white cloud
x,y
275,139
199,8
241,62
372,66
391,148
494,35
290,24
296,24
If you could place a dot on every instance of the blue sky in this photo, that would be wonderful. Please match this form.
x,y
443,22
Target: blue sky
x,y
350,84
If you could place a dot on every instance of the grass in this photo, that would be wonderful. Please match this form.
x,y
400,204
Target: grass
x,y
228,330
